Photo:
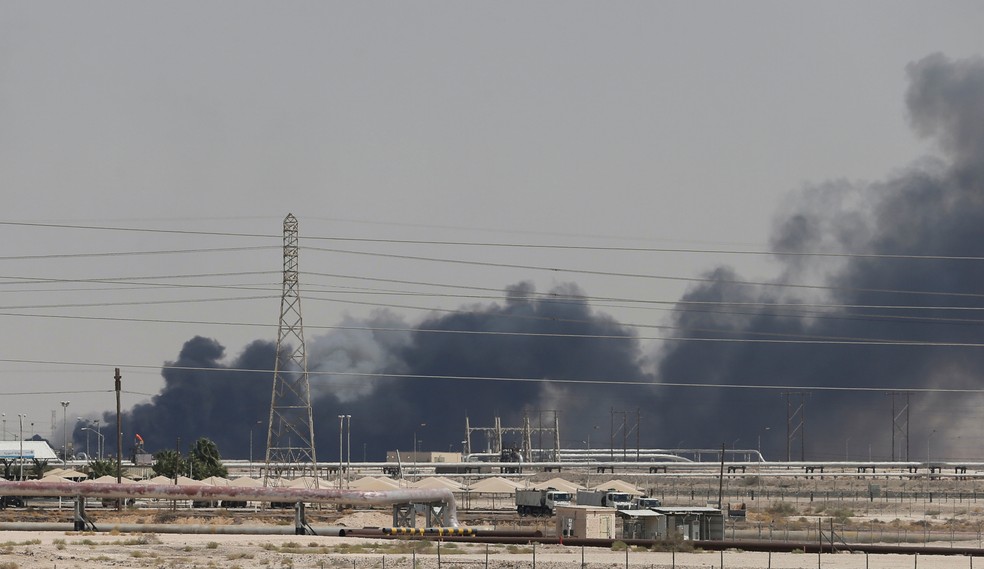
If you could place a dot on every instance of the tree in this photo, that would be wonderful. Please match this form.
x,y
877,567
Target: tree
x,y
38,468
169,463
205,460
99,468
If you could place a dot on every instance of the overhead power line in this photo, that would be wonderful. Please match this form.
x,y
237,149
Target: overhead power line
x,y
566,381
497,294
782,338
435,242
642,275
138,303
625,249
133,253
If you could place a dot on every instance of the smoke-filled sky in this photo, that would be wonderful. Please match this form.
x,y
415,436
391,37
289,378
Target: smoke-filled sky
x,y
596,200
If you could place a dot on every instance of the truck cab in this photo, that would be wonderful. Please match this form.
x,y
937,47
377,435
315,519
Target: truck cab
x,y
645,503
618,500
556,498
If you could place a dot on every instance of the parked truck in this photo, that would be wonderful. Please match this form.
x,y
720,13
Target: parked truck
x,y
610,498
541,502
645,503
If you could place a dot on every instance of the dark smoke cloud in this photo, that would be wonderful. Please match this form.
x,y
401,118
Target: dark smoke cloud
x,y
387,411
934,207
201,401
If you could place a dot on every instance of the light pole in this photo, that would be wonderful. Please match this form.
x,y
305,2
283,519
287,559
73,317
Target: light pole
x,y
64,405
847,449
251,446
4,425
341,455
416,448
99,440
79,420
348,444
766,429
20,417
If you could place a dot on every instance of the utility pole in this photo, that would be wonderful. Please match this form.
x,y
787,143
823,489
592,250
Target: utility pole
x,y
900,423
20,417
800,428
341,455
64,405
119,433
348,444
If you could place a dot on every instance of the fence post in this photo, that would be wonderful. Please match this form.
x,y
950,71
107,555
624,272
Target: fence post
x,y
819,541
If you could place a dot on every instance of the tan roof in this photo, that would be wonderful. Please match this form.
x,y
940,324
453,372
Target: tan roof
x,y
55,478
307,482
72,474
560,484
185,481
618,485
158,480
370,483
437,482
216,481
246,482
109,480
494,485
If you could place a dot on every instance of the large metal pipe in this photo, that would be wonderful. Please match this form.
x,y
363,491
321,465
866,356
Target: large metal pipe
x,y
212,493
230,529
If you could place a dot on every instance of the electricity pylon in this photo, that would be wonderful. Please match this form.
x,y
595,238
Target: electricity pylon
x,y
290,430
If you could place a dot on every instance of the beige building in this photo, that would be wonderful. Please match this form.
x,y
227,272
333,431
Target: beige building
x,y
685,523
422,457
586,522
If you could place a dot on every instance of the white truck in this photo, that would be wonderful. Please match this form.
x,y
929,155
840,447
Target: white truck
x,y
541,502
610,498
645,503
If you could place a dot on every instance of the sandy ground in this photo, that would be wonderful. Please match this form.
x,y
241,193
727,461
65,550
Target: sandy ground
x,y
47,550
25,550
956,506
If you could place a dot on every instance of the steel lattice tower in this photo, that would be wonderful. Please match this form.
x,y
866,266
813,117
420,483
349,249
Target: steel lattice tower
x,y
290,431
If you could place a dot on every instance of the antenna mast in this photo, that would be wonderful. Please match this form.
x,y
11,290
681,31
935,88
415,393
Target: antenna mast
x,y
290,430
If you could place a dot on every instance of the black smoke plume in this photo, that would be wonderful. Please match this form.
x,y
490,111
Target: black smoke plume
x,y
389,402
933,207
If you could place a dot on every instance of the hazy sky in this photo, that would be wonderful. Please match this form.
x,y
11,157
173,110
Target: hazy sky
x,y
649,124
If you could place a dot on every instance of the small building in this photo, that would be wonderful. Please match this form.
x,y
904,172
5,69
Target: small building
x,y
422,457
693,523
642,524
39,450
586,522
